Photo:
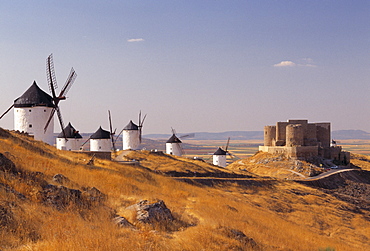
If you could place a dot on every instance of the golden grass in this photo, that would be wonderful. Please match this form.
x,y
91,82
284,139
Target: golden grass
x,y
278,215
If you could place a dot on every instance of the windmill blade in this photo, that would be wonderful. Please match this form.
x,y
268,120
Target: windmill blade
x,y
111,131
227,144
173,131
49,120
50,74
69,82
230,154
140,118
61,122
142,122
117,137
7,111
191,135
86,141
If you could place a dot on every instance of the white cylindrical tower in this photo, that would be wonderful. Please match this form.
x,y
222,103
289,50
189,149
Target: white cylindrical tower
x,y
74,139
31,113
173,146
131,137
219,158
100,141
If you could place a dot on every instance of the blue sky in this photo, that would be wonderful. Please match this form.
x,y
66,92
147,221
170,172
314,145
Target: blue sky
x,y
193,65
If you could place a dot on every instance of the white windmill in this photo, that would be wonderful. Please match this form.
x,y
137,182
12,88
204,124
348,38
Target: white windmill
x,y
174,144
70,139
34,110
100,141
219,157
132,134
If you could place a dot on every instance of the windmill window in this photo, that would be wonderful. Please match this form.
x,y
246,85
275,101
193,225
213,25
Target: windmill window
x,y
30,125
44,110
30,110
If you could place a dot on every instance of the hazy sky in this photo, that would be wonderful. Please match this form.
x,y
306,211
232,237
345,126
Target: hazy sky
x,y
194,65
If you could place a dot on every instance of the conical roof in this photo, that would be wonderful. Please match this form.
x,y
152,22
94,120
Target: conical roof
x,y
34,96
100,134
70,133
173,139
131,126
220,151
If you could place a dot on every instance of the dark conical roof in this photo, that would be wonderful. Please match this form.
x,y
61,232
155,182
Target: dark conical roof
x,y
100,134
131,126
173,139
70,133
34,96
220,152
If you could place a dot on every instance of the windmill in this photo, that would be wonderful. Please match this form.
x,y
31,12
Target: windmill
x,y
34,110
31,111
132,134
219,157
100,141
52,82
173,144
74,139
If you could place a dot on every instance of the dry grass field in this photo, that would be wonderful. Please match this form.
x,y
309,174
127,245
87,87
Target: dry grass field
x,y
243,211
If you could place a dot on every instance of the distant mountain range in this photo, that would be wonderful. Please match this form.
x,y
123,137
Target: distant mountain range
x,y
257,135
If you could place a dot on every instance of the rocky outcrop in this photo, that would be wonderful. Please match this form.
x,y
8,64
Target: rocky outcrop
x,y
151,213
62,197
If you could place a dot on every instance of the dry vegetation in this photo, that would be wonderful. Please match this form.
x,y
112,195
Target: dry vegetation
x,y
247,213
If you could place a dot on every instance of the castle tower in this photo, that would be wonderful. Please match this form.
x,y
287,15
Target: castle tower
x,y
131,136
100,141
31,113
269,135
173,146
73,141
219,158
294,135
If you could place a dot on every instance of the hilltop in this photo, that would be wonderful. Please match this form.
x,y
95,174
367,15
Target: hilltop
x,y
53,200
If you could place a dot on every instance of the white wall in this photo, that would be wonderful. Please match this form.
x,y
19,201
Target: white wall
x,y
219,160
102,145
130,139
70,145
174,149
33,120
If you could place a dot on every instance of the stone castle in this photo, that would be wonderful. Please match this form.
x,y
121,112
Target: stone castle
x,y
299,139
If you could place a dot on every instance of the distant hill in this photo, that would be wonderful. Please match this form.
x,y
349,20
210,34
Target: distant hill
x,y
258,135
235,135
350,134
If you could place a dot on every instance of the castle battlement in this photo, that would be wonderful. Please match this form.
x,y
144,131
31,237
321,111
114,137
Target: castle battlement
x,y
302,140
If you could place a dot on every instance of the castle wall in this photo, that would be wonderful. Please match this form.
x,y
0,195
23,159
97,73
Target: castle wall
x,y
296,152
269,135
281,133
323,134
310,135
303,122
